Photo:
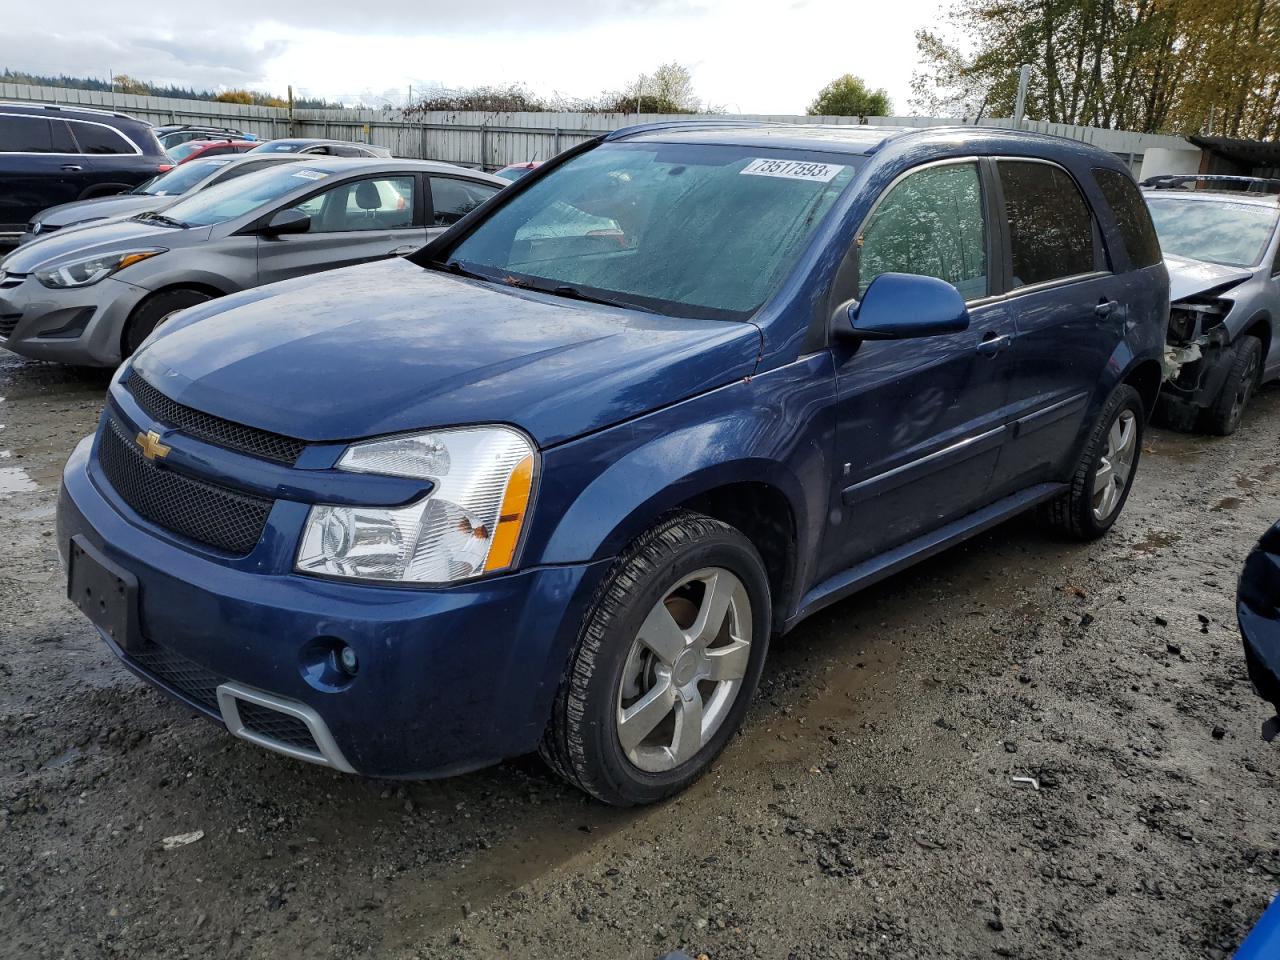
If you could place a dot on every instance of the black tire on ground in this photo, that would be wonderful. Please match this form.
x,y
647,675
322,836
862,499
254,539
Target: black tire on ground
x,y
581,742
154,311
1072,513
1242,380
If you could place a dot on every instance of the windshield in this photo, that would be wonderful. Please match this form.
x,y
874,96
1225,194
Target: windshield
x,y
184,150
180,179
279,146
695,230
1219,231
234,198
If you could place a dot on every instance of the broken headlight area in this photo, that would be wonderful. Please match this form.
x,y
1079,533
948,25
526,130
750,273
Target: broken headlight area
x,y
1196,333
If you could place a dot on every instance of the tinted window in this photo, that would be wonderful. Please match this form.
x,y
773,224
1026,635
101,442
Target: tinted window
x,y
95,138
1132,216
385,203
930,224
682,228
453,199
1050,227
25,135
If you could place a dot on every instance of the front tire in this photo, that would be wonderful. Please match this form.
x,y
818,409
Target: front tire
x,y
154,311
1242,380
668,658
1103,473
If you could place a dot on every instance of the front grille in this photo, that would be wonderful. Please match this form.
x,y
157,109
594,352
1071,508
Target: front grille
x,y
204,426
10,280
186,676
274,725
197,510
8,321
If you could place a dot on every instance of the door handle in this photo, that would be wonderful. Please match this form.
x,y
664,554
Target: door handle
x,y
992,344
403,250
72,167
1105,307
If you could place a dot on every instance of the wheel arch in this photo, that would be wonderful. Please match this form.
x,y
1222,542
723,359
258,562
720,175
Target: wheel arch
x,y
1259,325
1145,376
196,286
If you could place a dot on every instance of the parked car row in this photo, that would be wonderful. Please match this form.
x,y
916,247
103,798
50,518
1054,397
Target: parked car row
x,y
555,479
51,155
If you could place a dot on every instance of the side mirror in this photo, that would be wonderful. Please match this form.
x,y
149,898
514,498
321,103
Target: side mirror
x,y
291,220
901,306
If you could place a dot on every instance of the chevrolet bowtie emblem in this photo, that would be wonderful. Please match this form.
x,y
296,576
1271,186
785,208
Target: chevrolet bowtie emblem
x,y
151,445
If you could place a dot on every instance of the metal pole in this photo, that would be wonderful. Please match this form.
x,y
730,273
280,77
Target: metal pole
x,y
1020,106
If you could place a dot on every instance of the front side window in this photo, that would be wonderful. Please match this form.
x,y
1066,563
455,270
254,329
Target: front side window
x,y
1132,216
930,224
98,139
685,229
385,203
453,199
1233,233
1050,226
226,201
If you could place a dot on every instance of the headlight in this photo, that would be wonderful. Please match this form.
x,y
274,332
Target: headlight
x,y
81,273
469,524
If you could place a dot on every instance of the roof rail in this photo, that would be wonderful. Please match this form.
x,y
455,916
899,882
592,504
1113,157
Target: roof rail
x,y
703,122
1211,181
78,108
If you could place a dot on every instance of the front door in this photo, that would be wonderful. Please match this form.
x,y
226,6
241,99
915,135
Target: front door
x,y
353,222
920,423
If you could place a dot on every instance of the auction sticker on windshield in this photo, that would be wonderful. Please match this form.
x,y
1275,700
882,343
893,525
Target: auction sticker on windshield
x,y
793,169
310,174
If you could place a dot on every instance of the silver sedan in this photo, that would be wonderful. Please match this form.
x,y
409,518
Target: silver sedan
x,y
155,194
90,296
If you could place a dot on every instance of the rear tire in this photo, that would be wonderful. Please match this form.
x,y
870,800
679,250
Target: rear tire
x,y
1242,380
154,311
668,658
1103,474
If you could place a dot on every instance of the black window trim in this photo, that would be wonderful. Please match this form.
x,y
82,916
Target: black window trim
x,y
994,237
1101,259
137,152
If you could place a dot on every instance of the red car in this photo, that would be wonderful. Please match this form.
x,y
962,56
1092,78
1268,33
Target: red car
x,y
210,148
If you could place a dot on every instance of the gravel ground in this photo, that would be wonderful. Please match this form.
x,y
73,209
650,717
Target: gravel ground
x,y
868,808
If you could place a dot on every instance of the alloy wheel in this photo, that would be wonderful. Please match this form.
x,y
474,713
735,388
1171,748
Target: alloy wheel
x,y
1244,391
1115,465
684,670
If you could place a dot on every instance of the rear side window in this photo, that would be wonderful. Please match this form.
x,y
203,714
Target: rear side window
x,y
1050,226
451,199
98,139
25,135
1132,216
930,224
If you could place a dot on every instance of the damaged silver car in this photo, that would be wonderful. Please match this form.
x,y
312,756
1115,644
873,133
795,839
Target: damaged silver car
x,y
1222,250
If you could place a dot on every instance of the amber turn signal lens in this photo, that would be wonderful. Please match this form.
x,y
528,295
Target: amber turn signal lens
x,y
515,504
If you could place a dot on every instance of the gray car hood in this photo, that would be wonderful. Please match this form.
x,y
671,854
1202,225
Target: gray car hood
x,y
110,237
100,208
1189,277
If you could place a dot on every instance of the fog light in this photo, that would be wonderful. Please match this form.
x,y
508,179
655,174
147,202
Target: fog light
x,y
347,660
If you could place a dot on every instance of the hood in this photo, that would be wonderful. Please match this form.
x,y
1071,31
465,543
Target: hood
x,y
390,347
93,238
1190,277
125,205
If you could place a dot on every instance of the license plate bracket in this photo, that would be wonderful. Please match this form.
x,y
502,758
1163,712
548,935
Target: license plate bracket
x,y
106,593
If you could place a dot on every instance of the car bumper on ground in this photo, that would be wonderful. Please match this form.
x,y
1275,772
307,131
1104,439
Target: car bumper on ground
x,y
449,679
81,325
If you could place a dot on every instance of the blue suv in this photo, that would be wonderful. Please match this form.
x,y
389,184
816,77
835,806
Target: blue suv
x,y
555,481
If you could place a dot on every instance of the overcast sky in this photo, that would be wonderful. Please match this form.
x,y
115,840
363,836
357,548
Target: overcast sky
x,y
747,56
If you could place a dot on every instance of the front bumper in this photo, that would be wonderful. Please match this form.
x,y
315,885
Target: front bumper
x,y
450,679
81,325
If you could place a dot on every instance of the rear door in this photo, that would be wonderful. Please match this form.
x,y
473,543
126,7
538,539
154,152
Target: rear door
x,y
109,161
38,168
356,221
1070,310
452,198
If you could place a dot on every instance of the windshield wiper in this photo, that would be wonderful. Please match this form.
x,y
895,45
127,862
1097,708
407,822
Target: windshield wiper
x,y
573,293
151,216
457,269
